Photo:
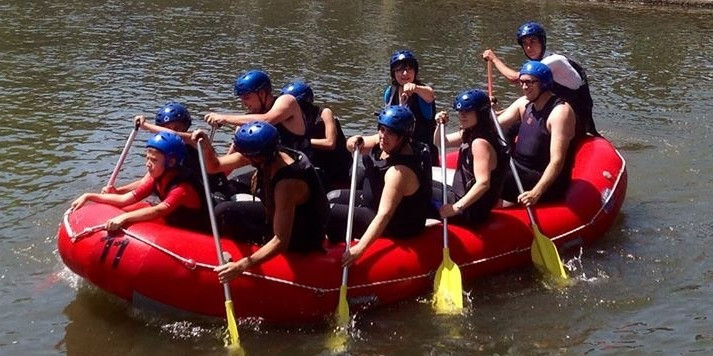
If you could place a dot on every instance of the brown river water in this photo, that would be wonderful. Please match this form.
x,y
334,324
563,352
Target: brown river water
x,y
72,74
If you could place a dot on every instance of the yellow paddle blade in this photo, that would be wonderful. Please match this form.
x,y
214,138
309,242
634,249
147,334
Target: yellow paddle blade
x,y
545,255
337,341
448,287
232,325
342,315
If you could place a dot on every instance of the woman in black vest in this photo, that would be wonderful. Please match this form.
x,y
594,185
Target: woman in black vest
x,y
397,189
482,160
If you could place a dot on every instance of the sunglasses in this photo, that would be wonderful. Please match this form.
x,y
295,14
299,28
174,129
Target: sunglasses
x,y
529,82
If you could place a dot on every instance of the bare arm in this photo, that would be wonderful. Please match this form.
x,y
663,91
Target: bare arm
x,y
329,142
279,112
215,164
484,162
398,182
513,113
288,194
510,74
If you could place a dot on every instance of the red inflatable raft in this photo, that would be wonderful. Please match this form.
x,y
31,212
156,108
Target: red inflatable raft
x,y
152,264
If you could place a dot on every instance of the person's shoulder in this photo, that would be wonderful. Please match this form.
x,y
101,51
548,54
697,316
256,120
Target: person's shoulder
x,y
553,58
287,100
562,112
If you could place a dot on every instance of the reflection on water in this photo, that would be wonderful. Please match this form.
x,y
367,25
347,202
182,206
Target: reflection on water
x,y
73,74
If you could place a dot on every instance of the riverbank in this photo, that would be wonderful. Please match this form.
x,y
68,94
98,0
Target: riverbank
x,y
694,4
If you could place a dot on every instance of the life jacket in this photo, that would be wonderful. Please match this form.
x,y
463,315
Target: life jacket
x,y
424,115
310,220
580,100
217,182
182,216
294,141
336,163
532,145
410,216
464,178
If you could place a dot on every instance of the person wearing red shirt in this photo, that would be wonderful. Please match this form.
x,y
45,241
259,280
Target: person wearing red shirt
x,y
181,204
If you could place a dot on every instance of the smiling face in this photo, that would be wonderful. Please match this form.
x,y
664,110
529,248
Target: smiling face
x,y
530,86
532,47
254,102
404,73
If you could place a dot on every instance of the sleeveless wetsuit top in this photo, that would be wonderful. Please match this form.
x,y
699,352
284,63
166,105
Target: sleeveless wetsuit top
x,y
410,215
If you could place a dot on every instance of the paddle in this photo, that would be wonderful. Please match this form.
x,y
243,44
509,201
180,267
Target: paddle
x,y
342,313
447,286
544,252
124,153
229,311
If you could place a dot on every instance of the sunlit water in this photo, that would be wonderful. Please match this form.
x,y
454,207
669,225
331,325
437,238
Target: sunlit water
x,y
72,76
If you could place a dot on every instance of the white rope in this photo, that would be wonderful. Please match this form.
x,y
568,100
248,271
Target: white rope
x,y
192,264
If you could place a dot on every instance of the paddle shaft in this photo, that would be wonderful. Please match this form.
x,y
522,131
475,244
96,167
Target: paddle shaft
x,y
350,212
490,79
443,181
515,175
211,214
124,153
213,129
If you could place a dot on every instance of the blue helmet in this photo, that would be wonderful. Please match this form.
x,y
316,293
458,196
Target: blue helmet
x,y
471,100
300,90
540,71
397,118
251,82
170,144
532,29
173,112
403,56
257,138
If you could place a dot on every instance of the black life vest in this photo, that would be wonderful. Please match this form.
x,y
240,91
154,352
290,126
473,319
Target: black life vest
x,y
410,216
310,221
335,163
294,141
182,216
217,182
532,145
581,101
464,178
424,115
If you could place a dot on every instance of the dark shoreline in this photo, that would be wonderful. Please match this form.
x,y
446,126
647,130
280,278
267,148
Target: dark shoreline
x,y
692,4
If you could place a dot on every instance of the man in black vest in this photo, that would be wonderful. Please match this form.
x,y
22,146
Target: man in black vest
x,y
541,147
